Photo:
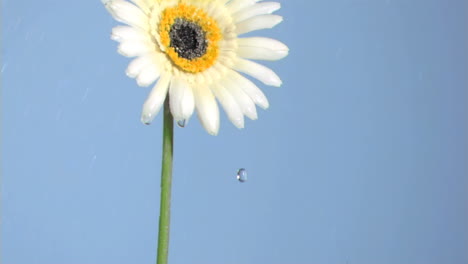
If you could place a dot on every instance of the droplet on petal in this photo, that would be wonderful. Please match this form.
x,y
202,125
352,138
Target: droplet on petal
x,y
146,119
181,123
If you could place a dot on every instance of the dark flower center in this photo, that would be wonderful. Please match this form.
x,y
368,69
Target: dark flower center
x,y
188,39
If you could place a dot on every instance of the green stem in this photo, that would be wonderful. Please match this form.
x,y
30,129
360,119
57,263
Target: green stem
x,y
166,181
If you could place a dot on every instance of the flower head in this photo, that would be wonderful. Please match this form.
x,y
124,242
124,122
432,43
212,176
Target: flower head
x,y
193,48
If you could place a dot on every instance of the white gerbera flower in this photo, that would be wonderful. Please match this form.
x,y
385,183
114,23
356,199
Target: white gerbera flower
x,y
192,46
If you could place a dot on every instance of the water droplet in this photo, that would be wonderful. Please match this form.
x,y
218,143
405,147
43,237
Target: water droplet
x,y
146,119
93,160
181,123
242,175
58,115
83,98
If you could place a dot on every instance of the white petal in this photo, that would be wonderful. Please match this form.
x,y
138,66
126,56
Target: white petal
x,y
243,100
188,104
250,89
256,10
155,99
260,72
134,48
230,105
258,48
258,22
127,13
207,109
143,5
236,5
176,93
137,65
255,53
181,99
126,33
148,75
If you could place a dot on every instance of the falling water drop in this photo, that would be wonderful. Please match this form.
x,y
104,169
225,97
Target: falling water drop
x,y
181,123
242,175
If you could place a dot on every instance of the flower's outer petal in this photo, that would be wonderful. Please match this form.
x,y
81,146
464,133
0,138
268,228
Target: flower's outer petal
x,y
126,33
256,10
243,100
257,23
127,13
134,48
188,104
148,75
137,65
143,5
207,109
181,99
155,99
250,89
230,105
176,93
259,72
236,5
149,3
258,48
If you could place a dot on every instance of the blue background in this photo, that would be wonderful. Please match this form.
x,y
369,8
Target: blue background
x,y
361,158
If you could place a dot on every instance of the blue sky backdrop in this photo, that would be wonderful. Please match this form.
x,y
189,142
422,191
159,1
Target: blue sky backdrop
x,y
361,157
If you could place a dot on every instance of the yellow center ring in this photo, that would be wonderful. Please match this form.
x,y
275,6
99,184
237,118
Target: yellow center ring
x,y
207,24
